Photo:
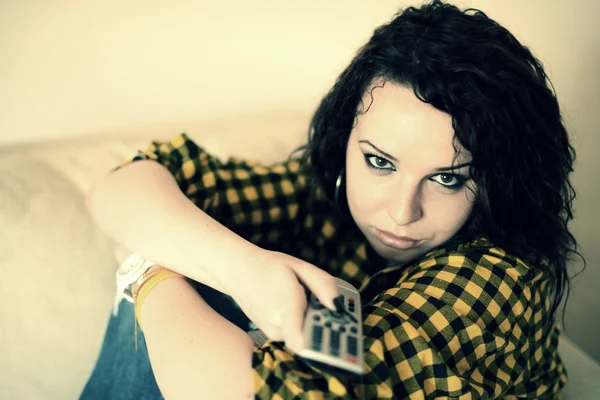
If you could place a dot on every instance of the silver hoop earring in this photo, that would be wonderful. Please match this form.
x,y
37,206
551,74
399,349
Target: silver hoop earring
x,y
338,184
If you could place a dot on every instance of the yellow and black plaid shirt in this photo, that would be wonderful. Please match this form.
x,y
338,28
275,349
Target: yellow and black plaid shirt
x,y
466,321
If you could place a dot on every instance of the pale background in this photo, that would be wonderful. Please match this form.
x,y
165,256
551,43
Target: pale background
x,y
75,68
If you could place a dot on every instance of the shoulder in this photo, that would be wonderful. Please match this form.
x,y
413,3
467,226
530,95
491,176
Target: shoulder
x,y
472,307
477,279
479,256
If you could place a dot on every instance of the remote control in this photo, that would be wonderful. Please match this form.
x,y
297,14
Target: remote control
x,y
333,339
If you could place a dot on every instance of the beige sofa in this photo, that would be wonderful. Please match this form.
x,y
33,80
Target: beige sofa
x,y
57,268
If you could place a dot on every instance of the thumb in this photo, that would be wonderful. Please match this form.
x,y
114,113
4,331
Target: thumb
x,y
293,335
320,283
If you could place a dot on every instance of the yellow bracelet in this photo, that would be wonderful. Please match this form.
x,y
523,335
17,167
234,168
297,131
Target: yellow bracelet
x,y
135,288
149,284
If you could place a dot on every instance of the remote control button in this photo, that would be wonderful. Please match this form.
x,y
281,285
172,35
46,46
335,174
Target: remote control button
x,y
352,346
317,318
339,303
328,324
317,338
342,329
338,317
334,344
353,329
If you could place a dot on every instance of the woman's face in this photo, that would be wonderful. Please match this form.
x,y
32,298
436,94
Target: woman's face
x,y
402,192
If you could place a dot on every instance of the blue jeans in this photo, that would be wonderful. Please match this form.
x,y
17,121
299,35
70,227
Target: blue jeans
x,y
121,373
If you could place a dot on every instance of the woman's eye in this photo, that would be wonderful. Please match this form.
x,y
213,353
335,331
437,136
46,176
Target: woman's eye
x,y
377,162
449,181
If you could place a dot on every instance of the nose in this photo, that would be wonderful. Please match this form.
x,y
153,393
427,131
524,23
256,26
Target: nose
x,y
405,206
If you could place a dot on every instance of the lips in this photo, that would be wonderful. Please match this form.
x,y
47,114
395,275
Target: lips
x,y
397,242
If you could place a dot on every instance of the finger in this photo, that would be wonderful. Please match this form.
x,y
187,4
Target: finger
x,y
293,329
319,282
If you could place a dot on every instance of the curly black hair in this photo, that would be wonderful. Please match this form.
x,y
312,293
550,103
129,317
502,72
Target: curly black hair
x,y
504,112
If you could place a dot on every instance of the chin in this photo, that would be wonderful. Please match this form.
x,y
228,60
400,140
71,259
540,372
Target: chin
x,y
397,255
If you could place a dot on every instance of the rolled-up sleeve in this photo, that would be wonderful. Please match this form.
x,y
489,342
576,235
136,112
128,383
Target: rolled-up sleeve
x,y
259,202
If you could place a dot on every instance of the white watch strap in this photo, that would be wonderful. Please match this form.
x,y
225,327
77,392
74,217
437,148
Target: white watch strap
x,y
135,266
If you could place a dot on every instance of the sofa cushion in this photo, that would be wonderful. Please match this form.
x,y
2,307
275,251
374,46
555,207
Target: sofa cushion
x,y
266,137
56,285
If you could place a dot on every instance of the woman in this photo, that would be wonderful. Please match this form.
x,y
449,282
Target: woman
x,y
435,179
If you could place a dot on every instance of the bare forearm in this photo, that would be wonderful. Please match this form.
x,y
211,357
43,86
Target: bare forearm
x,y
192,349
141,207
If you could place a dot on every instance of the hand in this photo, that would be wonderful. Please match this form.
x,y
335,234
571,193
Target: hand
x,y
273,297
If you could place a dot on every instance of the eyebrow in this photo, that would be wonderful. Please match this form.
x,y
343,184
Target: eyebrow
x,y
454,167
391,157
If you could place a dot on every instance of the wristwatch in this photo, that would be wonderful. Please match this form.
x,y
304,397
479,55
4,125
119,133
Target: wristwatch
x,y
132,269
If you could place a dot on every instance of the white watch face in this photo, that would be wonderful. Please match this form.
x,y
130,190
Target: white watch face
x,y
133,267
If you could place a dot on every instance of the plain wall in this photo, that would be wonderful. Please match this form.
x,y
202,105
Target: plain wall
x,y
75,68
